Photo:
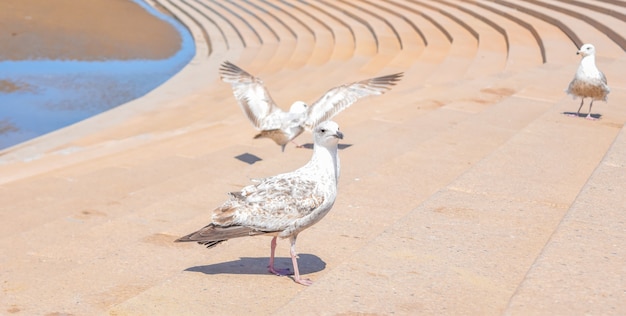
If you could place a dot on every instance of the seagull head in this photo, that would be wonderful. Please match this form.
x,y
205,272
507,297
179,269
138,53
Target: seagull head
x,y
298,107
327,134
586,50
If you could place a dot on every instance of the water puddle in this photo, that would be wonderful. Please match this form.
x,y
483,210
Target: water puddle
x,y
40,96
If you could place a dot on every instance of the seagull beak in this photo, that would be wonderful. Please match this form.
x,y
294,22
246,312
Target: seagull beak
x,y
339,135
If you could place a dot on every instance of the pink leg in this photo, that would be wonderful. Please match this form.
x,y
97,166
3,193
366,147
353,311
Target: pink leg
x,y
589,117
294,260
271,269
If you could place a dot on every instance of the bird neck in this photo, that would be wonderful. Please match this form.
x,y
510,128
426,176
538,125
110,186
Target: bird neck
x,y
323,155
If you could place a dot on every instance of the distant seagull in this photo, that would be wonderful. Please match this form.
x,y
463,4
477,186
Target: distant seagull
x,y
282,205
589,81
282,127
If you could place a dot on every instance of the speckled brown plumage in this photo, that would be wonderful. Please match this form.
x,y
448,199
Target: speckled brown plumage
x,y
282,205
589,81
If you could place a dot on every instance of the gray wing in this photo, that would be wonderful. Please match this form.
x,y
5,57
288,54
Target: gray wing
x,y
603,77
339,98
252,96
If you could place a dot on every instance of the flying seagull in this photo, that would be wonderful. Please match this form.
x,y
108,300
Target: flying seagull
x,y
282,127
589,81
282,205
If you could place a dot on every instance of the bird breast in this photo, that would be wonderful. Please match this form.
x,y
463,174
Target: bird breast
x,y
588,69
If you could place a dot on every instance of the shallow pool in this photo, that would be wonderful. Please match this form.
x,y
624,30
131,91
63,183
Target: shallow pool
x,y
37,97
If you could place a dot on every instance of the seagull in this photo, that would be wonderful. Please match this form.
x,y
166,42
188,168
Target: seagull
x,y
282,127
589,81
282,205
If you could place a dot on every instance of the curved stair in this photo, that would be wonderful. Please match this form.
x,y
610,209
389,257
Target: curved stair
x,y
464,189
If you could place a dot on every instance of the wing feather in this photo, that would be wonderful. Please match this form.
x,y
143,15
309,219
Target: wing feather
x,y
603,77
217,233
268,207
272,205
337,99
252,96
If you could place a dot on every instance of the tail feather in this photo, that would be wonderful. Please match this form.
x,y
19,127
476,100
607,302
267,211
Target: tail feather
x,y
277,135
212,234
210,244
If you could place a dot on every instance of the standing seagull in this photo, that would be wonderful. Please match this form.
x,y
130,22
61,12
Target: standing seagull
x,y
282,127
282,205
589,81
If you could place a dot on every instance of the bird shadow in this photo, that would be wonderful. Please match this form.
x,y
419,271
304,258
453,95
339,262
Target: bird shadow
x,y
595,116
340,146
248,158
307,263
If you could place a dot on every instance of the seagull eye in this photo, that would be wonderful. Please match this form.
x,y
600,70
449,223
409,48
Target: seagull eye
x,y
323,130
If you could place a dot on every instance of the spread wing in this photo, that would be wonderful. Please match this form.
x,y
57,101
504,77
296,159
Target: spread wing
x,y
339,98
252,96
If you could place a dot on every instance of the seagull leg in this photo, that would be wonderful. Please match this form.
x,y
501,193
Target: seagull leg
x,y
589,117
582,100
271,269
294,260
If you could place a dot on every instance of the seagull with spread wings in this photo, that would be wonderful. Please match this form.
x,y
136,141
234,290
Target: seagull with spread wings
x,y
282,127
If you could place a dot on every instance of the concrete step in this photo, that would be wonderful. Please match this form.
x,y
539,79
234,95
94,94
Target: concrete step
x,y
359,231
344,222
388,43
554,39
462,51
582,261
461,188
110,226
585,31
475,238
524,45
217,27
307,25
580,264
364,39
492,50
404,29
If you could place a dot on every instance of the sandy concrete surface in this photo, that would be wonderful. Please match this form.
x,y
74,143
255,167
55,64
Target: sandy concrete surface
x,y
465,190
83,30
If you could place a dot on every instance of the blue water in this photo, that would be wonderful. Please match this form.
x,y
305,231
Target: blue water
x,y
58,93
